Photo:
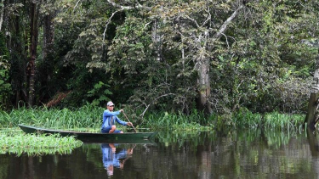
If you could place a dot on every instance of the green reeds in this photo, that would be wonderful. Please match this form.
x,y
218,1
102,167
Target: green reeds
x,y
177,122
14,141
272,120
84,117
284,121
89,118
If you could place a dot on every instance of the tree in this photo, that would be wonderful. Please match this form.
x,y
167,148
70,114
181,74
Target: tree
x,y
181,51
312,114
34,33
1,13
192,28
21,25
265,66
5,86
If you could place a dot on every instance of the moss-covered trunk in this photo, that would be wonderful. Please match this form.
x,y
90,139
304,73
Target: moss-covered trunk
x,y
312,114
34,15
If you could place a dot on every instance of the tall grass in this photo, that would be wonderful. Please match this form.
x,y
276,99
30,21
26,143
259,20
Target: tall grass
x,y
90,117
180,121
274,120
84,117
283,121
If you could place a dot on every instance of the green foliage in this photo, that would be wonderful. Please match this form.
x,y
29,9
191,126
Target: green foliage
x,y
5,86
87,87
99,94
19,143
268,66
150,58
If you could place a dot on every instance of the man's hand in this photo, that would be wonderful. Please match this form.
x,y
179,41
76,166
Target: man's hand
x,y
121,110
129,124
129,151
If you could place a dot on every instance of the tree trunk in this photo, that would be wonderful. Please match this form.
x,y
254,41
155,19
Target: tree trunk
x,y
34,13
1,13
157,38
48,35
313,143
312,108
47,55
204,63
312,114
204,85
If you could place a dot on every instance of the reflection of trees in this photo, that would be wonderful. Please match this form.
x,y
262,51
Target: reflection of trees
x,y
4,166
313,143
233,155
28,168
276,154
204,157
314,149
260,155
251,154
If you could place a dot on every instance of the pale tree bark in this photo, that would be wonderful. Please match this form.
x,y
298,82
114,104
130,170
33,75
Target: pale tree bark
x,y
204,84
1,13
313,105
157,39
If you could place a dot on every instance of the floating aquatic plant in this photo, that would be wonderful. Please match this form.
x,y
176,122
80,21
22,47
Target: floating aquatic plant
x,y
36,144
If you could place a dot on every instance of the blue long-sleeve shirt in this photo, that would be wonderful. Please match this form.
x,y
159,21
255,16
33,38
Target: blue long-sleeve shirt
x,y
109,119
110,158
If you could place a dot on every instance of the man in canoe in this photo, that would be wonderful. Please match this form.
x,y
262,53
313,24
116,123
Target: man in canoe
x,y
109,119
111,158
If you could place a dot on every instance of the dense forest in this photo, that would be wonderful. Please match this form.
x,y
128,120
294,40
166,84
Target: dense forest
x,y
217,56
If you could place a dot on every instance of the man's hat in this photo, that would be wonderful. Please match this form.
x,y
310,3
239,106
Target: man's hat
x,y
110,103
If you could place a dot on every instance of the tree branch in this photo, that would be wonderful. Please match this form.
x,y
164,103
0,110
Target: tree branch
x,y
128,7
193,20
142,115
77,3
107,24
121,8
208,18
223,28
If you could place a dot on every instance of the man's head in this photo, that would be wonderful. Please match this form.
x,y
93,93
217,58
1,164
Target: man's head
x,y
109,170
110,105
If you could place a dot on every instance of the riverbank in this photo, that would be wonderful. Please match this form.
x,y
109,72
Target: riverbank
x,y
89,117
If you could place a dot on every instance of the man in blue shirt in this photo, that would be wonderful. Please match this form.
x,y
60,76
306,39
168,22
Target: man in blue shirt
x,y
112,159
109,119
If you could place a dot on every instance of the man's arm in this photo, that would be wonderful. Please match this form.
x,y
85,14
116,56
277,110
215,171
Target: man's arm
x,y
108,113
118,120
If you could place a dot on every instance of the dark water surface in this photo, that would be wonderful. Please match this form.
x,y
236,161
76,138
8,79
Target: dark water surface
x,y
179,156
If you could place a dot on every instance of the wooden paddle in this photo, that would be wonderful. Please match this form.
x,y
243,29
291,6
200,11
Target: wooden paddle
x,y
129,121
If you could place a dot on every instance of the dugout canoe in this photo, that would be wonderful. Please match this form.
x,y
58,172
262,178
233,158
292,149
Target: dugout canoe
x,y
128,137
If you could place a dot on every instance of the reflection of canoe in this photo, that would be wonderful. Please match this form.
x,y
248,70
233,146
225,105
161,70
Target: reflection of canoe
x,y
129,137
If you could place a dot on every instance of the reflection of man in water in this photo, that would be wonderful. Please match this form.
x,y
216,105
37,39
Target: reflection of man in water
x,y
112,159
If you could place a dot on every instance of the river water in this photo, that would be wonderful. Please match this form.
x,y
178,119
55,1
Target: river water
x,y
203,155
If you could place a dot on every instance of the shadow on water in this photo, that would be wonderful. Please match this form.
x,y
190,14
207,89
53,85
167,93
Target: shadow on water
x,y
232,154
